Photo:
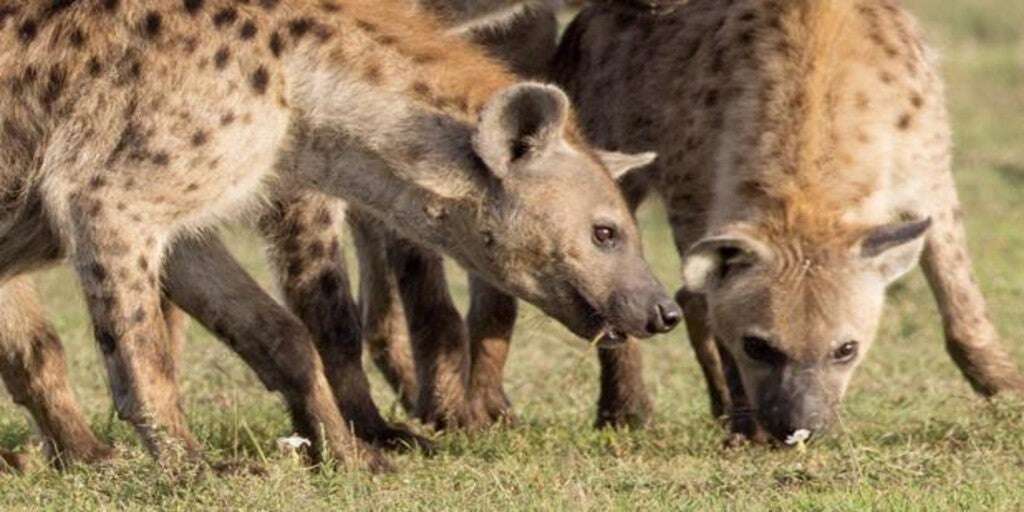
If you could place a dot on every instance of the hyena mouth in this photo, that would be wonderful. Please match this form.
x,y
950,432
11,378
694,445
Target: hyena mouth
x,y
610,337
598,328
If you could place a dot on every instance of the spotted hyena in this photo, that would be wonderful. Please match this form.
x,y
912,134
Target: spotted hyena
x,y
130,125
404,296
449,386
805,165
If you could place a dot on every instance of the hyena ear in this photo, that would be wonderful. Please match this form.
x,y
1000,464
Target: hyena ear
x,y
714,259
621,164
523,118
891,248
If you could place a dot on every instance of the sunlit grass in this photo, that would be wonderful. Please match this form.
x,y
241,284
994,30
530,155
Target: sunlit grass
x,y
913,436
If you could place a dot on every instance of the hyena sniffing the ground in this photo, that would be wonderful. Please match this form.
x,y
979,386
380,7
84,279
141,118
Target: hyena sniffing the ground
x,y
130,123
805,164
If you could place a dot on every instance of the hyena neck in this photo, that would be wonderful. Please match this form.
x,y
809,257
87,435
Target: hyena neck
x,y
466,16
385,116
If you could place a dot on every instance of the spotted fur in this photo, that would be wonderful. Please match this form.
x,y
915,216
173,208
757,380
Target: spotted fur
x,y
805,164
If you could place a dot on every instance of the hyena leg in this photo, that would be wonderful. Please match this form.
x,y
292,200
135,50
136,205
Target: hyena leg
x,y
34,370
304,234
177,329
708,356
971,338
491,319
624,401
383,318
204,280
742,423
687,226
440,343
119,270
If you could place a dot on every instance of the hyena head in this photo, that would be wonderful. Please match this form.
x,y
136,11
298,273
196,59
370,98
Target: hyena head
x,y
556,230
798,316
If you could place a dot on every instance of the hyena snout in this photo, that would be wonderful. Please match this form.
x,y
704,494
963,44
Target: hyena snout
x,y
646,311
795,416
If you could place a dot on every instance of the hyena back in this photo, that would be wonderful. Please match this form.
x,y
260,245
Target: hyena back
x,y
805,165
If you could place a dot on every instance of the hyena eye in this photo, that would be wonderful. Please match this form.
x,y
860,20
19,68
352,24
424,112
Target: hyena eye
x,y
846,352
605,236
761,350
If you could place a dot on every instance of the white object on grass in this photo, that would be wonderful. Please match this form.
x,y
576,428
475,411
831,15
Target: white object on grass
x,y
798,436
292,443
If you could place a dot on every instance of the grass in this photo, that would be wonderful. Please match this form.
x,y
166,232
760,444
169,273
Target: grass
x,y
913,436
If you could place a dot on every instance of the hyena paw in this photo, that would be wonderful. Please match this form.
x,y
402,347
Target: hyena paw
x,y
402,438
15,462
491,407
632,415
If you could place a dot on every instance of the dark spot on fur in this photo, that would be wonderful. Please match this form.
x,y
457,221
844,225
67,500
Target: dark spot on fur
x,y
94,67
139,316
192,187
886,77
366,26
299,27
316,250
28,30
161,159
107,341
421,89
111,5
227,118
99,272
746,37
220,59
711,98
193,6
143,264
152,24
225,17
916,100
372,73
276,44
329,284
248,30
199,138
97,182
77,38
269,4
904,122
259,80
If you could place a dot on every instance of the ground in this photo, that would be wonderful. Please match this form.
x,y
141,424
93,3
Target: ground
x,y
912,436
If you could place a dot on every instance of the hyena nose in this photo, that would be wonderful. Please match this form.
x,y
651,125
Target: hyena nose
x,y
666,317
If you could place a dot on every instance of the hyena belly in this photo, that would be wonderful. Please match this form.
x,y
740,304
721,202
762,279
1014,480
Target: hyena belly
x,y
805,163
